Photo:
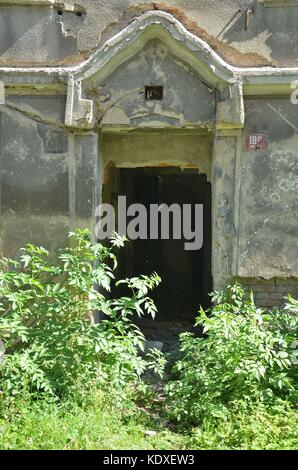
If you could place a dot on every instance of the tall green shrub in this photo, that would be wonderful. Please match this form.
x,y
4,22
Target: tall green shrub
x,y
46,320
245,353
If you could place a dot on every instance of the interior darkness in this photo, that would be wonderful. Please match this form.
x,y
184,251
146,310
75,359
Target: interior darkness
x,y
186,275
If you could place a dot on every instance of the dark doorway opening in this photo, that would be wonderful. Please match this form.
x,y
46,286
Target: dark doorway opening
x,y
186,275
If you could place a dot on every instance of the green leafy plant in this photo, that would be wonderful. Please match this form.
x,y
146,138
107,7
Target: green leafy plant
x,y
52,344
244,354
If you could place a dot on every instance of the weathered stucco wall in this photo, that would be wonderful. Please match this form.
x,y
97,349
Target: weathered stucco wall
x,y
49,183
269,186
34,184
33,34
39,33
271,32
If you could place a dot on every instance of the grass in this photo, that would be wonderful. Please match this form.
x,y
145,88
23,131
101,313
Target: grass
x,y
100,425
275,428
104,425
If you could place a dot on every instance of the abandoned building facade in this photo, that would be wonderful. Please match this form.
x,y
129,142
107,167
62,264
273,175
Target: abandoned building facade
x,y
182,101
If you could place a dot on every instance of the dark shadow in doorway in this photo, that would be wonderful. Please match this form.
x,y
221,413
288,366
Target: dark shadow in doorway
x,y
186,275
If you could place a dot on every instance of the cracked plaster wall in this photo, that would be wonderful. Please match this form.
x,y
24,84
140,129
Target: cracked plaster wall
x,y
34,34
34,184
48,182
272,32
268,232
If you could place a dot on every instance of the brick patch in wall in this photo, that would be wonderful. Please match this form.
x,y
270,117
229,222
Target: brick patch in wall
x,y
272,292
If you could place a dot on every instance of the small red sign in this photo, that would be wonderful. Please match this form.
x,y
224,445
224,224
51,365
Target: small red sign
x,y
256,141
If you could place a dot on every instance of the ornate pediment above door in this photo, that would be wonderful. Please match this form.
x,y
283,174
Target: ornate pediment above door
x,y
118,85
